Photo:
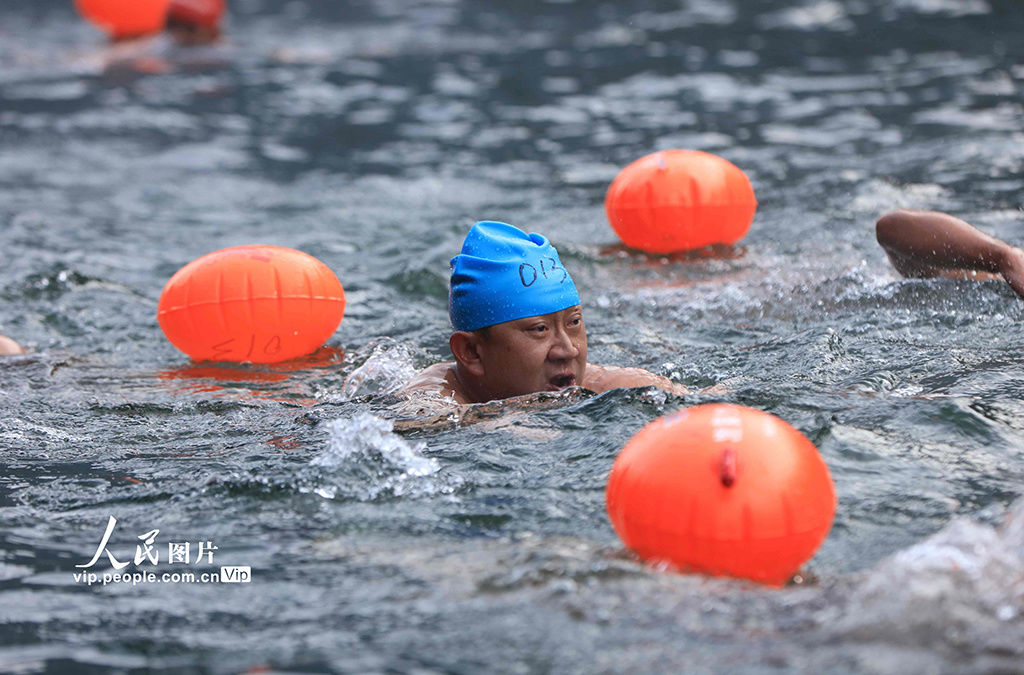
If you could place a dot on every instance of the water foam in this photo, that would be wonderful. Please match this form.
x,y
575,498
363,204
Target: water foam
x,y
365,460
960,590
388,366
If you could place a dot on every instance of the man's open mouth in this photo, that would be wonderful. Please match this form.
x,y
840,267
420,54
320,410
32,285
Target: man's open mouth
x,y
563,381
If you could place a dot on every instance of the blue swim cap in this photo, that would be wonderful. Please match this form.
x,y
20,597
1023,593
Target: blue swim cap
x,y
504,274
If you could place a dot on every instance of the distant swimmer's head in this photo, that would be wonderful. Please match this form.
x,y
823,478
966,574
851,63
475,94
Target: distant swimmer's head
x,y
517,315
195,21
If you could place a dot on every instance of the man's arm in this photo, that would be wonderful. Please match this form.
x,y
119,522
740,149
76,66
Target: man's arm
x,y
929,244
603,378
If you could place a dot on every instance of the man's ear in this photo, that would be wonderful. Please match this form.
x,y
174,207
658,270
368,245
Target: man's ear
x,y
465,349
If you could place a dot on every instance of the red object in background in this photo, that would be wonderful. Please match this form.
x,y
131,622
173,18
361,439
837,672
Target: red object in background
x,y
259,304
680,200
724,490
196,12
125,18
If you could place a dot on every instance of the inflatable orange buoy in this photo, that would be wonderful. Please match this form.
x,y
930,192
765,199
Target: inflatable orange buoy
x,y
724,490
679,200
251,303
125,18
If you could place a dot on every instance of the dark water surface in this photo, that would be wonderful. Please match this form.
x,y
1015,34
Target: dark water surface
x,y
370,135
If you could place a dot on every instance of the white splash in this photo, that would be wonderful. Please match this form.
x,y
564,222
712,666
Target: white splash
x,y
389,365
366,459
963,584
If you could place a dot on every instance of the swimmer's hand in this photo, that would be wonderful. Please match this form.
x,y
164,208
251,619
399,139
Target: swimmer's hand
x,y
1012,269
715,390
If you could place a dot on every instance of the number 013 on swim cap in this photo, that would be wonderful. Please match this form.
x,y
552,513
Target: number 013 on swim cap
x,y
723,490
260,304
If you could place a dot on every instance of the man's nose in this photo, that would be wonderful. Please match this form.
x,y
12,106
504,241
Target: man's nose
x,y
564,348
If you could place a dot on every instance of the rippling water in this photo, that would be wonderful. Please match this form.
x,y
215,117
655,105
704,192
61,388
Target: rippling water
x,y
370,135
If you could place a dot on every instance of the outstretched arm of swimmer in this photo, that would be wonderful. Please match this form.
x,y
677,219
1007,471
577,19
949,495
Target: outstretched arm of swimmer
x,y
441,378
930,244
602,378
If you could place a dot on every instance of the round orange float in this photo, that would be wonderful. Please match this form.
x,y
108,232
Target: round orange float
x,y
680,200
125,18
261,304
723,490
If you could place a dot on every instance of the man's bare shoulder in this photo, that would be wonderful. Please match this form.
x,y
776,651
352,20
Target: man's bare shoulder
x,y
436,379
602,378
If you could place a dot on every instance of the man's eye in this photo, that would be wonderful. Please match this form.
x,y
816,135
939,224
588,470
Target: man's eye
x,y
539,328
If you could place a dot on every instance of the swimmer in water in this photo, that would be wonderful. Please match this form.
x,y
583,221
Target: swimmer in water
x,y
188,22
924,244
518,324
195,22
9,346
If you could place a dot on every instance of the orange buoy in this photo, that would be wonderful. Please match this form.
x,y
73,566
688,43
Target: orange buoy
x,y
261,304
680,200
724,490
125,18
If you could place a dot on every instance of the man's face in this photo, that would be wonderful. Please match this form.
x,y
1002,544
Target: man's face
x,y
538,353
